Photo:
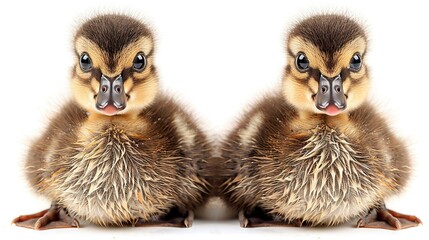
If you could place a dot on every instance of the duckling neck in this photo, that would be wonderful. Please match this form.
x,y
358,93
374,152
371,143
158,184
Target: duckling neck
x,y
97,117
313,120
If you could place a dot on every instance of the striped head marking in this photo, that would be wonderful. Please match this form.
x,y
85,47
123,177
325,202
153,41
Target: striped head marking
x,y
114,72
326,72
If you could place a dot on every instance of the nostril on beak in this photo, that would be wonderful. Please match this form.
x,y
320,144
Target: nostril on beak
x,y
118,89
324,89
337,88
104,88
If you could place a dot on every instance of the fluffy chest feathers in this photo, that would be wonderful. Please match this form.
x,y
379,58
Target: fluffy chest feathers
x,y
327,180
326,162
109,160
111,178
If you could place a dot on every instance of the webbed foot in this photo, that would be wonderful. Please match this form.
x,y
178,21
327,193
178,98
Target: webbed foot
x,y
387,219
54,217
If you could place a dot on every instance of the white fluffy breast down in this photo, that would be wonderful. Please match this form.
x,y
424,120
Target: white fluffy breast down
x,y
327,182
105,186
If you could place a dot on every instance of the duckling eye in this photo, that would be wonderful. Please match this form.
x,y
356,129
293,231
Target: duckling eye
x,y
139,62
302,62
85,62
355,63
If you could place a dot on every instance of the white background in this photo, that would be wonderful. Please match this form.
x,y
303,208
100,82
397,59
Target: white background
x,y
217,57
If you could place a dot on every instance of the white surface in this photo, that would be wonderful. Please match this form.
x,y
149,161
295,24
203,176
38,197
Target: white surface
x,y
216,56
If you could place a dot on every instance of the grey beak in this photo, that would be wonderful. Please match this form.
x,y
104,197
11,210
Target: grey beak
x,y
111,92
330,92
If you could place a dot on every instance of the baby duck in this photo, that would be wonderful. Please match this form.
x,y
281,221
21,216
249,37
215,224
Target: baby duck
x,y
120,152
316,152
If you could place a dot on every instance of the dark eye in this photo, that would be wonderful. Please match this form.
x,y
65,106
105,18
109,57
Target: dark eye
x,y
139,62
302,62
85,62
355,63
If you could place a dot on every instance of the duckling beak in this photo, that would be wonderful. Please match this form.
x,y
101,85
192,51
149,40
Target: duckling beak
x,y
330,97
111,96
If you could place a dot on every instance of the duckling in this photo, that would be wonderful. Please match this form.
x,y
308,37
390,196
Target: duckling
x,y
316,153
120,152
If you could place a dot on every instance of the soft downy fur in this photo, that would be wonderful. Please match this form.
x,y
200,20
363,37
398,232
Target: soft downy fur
x,y
294,163
318,175
143,163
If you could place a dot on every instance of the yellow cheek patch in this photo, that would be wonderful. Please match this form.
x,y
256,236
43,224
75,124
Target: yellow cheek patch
x,y
141,94
297,93
346,86
357,92
82,93
128,84
95,85
314,85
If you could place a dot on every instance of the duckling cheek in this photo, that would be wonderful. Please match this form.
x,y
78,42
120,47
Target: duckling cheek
x,y
357,93
298,93
83,94
141,93
128,86
346,85
313,86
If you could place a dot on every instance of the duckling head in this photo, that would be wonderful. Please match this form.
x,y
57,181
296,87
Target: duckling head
x,y
114,72
326,73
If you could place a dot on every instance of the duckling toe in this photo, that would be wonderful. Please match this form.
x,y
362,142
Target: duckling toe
x,y
54,217
384,218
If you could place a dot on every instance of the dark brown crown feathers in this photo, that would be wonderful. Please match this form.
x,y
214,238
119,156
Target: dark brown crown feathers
x,y
112,32
328,32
